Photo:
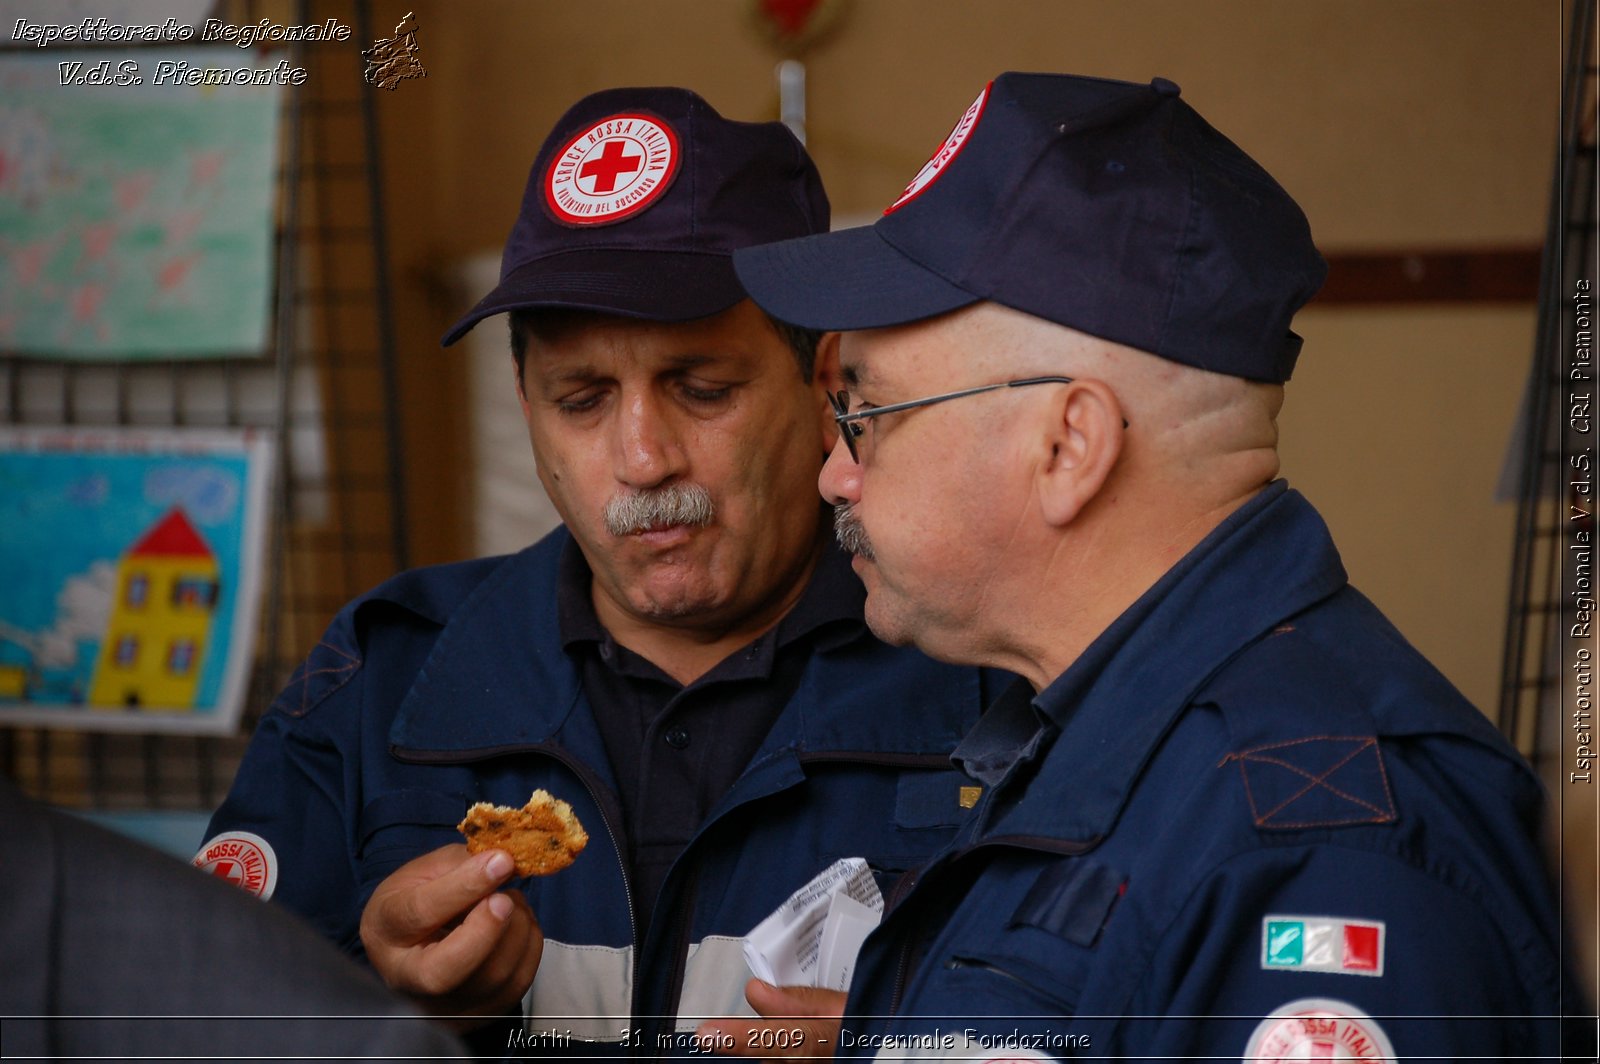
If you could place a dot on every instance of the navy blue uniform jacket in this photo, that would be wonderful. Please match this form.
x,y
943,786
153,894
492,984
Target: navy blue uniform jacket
x,y
448,685
1250,822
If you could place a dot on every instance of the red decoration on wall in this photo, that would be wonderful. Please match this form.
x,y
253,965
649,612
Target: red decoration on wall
x,y
794,25
789,16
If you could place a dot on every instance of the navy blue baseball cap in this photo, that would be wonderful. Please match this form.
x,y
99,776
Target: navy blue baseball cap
x,y
638,199
1110,207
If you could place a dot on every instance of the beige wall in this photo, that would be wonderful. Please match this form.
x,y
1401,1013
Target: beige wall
x,y
1397,123
1396,426
1394,121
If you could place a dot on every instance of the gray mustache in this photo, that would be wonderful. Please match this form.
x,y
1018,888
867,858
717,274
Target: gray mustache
x,y
675,504
852,537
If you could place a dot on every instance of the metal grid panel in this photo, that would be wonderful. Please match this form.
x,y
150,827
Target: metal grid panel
x,y
326,387
1531,671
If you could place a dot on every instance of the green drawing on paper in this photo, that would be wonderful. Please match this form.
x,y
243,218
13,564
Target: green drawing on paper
x,y
136,220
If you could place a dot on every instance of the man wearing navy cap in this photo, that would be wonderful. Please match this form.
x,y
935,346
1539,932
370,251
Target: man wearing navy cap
x,y
685,661
1231,814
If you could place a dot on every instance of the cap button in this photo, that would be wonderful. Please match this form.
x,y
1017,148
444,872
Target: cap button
x,y
1164,87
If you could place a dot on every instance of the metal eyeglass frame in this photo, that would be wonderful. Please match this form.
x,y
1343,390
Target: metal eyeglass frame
x,y
850,431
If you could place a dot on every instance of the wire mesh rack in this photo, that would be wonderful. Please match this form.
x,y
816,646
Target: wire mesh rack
x,y
1531,669
325,388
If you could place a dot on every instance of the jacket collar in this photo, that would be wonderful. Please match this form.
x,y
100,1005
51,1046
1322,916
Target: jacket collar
x,y
497,679
1271,558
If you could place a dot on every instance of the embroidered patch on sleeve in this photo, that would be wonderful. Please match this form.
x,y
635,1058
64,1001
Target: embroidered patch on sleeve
x,y
1318,1029
244,859
1325,781
1322,944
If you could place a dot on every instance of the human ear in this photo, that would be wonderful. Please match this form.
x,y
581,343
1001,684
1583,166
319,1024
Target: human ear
x,y
1084,438
827,379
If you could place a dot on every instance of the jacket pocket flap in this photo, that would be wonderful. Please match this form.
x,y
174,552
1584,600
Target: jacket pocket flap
x,y
410,807
1072,899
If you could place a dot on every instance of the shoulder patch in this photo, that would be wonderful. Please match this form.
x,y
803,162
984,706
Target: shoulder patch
x,y
243,859
1317,1029
1322,944
1317,782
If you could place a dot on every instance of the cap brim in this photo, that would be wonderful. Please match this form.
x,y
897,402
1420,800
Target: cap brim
x,y
850,279
653,285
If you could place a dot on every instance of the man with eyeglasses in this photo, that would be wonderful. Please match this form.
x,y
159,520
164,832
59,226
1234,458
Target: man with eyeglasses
x,y
1230,813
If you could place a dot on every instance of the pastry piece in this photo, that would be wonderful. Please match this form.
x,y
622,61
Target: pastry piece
x,y
543,837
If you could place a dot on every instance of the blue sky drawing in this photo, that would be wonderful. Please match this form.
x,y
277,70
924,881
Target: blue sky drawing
x,y
60,513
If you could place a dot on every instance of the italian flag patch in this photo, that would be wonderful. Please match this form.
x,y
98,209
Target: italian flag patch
x,y
1322,944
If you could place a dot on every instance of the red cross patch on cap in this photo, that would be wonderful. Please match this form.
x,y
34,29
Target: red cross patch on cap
x,y
612,170
947,151
243,859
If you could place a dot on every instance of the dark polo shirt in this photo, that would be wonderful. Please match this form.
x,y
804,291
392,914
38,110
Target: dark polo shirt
x,y
675,749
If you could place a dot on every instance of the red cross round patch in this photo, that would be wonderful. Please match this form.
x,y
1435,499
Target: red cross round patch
x,y
243,859
1318,1029
947,152
612,170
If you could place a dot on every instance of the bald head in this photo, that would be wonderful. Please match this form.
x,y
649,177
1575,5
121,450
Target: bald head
x,y
1214,434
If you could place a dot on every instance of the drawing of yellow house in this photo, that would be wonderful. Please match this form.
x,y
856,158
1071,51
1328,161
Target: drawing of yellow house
x,y
155,641
13,682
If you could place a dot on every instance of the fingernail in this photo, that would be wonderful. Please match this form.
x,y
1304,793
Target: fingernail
x,y
499,865
499,906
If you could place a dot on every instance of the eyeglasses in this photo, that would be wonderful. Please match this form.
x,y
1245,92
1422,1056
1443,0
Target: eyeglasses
x,y
850,424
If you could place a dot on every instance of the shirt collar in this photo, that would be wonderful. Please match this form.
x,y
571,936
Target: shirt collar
x,y
833,599
1008,734
574,608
